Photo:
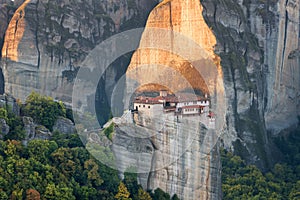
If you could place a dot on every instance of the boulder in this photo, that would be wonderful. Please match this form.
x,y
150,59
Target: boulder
x,y
4,128
64,125
10,101
34,131
41,132
29,128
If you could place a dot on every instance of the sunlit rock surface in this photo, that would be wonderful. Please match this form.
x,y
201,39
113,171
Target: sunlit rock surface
x,y
177,52
14,33
257,41
47,41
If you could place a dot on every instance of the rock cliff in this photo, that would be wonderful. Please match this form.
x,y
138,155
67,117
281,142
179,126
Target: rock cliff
x,y
4,128
258,43
177,154
176,52
46,41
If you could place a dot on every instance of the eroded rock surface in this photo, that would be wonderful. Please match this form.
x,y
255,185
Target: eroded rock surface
x,y
185,160
64,125
47,41
29,127
42,133
257,42
4,128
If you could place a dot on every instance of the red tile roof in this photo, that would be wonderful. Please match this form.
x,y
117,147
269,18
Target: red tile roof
x,y
193,106
169,98
211,114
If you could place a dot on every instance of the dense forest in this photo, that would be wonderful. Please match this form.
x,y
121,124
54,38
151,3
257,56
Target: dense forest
x,y
61,168
241,181
58,168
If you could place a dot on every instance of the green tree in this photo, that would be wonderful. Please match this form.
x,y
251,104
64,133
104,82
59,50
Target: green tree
x,y
44,110
143,195
93,175
41,149
175,197
17,194
42,170
16,126
3,195
295,192
159,194
130,180
3,114
58,192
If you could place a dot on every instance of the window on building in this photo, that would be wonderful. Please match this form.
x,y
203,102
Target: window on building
x,y
144,106
139,105
148,106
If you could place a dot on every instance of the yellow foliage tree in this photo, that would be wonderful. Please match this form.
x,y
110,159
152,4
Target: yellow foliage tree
x,y
143,195
123,193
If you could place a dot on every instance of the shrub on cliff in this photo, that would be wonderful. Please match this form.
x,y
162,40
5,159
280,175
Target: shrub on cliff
x,y
3,114
43,110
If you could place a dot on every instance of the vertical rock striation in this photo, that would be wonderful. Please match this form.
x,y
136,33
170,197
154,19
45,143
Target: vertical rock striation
x,y
47,41
14,33
258,42
167,58
283,64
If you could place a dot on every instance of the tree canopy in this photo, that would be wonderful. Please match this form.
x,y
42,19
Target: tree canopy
x,y
241,181
43,110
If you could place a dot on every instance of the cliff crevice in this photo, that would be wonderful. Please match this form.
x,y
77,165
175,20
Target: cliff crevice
x,y
254,40
54,38
14,33
177,41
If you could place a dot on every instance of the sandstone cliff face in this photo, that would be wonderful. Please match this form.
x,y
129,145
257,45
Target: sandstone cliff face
x,y
64,125
46,41
6,12
258,43
4,128
184,21
176,52
177,154
35,131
